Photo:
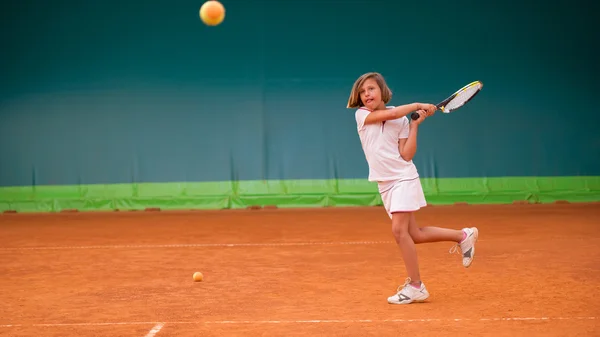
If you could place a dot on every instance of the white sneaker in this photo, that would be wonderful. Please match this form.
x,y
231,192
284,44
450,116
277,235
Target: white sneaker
x,y
407,294
467,246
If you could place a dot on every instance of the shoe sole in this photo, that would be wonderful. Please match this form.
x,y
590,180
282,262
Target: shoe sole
x,y
476,235
414,301
404,303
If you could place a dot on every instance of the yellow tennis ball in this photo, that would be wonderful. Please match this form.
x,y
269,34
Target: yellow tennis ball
x,y
198,277
212,12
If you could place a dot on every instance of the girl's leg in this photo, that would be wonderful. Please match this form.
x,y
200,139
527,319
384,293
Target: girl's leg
x,y
432,234
464,238
413,289
400,229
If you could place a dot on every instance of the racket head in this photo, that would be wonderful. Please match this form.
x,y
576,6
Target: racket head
x,y
461,97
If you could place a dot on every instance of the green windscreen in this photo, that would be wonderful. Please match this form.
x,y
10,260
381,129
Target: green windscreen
x,y
289,193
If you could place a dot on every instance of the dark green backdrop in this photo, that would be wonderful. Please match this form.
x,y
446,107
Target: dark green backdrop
x,y
130,92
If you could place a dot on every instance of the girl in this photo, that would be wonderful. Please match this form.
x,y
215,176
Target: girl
x,y
389,143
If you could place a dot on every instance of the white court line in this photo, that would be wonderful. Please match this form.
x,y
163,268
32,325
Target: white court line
x,y
192,245
315,321
398,320
155,330
75,324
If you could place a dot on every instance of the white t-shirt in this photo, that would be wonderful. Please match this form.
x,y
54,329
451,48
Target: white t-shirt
x,y
380,145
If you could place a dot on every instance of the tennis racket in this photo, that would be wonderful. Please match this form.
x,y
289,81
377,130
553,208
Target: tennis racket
x,y
457,99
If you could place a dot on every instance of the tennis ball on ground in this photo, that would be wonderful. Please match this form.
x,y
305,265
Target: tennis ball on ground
x,y
198,276
212,12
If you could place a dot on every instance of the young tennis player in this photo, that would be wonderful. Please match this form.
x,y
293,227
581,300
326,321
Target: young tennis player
x,y
389,143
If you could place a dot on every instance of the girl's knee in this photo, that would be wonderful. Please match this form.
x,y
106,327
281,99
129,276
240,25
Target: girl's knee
x,y
401,236
400,223
418,238
400,232
417,235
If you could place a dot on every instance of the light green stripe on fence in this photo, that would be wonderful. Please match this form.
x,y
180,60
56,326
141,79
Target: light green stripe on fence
x,y
290,193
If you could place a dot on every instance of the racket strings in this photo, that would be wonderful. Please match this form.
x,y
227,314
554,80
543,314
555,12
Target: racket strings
x,y
462,97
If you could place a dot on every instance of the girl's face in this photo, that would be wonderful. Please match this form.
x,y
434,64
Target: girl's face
x,y
370,95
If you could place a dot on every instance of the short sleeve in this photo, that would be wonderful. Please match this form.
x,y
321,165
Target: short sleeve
x,y
404,131
361,115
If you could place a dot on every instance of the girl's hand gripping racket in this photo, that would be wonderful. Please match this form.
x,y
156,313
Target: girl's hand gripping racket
x,y
458,99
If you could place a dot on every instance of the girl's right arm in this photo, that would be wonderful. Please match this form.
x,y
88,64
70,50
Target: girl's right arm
x,y
397,112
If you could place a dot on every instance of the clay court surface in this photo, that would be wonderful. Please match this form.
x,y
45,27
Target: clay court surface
x,y
297,272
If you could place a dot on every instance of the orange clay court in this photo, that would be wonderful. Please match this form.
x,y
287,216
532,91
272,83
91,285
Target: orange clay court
x,y
298,272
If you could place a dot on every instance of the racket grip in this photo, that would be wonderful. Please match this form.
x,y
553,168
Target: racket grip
x,y
414,116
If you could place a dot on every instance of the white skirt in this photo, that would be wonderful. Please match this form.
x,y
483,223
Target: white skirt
x,y
402,195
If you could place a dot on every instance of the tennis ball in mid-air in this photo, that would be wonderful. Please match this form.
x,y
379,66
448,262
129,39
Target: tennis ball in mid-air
x,y
198,276
212,12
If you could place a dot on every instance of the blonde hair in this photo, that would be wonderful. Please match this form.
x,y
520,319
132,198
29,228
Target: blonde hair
x,y
354,100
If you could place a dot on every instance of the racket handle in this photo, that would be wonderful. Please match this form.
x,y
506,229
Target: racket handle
x,y
414,116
